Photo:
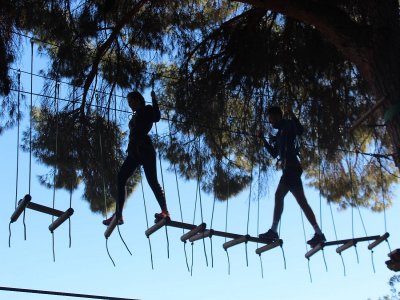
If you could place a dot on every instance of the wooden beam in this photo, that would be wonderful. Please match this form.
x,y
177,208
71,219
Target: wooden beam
x,y
68,213
269,246
45,209
361,239
181,225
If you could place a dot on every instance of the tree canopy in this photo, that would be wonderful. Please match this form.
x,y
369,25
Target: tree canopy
x,y
216,66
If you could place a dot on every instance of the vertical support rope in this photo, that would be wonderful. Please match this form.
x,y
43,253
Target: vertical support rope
x,y
258,215
226,217
30,136
179,196
201,210
17,150
147,220
211,223
383,195
30,123
108,252
333,220
352,197
248,209
162,176
69,219
18,136
56,96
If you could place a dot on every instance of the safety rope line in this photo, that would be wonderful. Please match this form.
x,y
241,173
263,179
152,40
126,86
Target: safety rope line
x,y
147,220
179,197
385,156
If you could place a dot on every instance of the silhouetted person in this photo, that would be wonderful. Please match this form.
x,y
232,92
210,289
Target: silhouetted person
x,y
140,152
283,146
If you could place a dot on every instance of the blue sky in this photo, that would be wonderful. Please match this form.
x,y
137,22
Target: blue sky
x,y
86,268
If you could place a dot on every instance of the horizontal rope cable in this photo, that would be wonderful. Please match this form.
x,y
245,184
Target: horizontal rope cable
x,y
63,294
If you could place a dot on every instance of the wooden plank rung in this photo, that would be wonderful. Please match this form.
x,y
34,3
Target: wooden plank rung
x,y
156,227
61,219
22,204
111,227
314,250
269,246
193,232
201,235
345,246
234,242
378,241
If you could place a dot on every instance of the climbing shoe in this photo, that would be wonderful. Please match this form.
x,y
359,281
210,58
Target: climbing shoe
x,y
108,221
162,215
317,239
270,236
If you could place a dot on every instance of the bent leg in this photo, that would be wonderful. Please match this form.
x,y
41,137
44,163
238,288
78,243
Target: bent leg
x,y
128,167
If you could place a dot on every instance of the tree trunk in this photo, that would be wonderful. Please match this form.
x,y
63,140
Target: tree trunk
x,y
374,49
384,64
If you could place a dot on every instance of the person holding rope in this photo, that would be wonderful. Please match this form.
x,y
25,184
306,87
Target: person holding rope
x,y
140,152
283,146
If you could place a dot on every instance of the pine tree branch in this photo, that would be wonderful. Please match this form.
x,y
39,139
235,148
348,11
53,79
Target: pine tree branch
x,y
335,24
101,50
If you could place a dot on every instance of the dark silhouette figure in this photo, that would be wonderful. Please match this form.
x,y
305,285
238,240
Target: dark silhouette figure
x,y
140,152
284,147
